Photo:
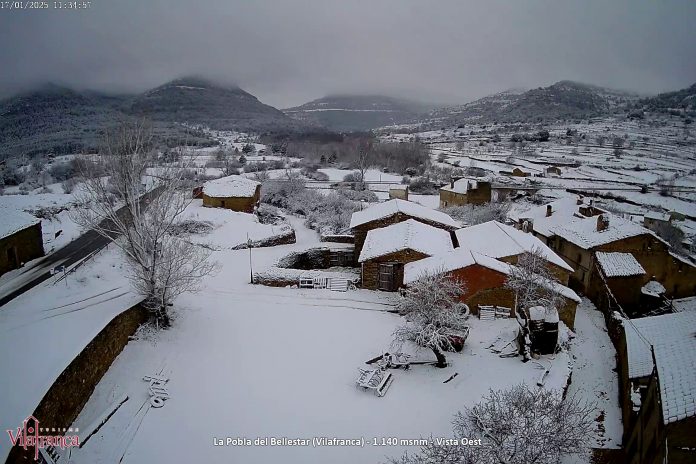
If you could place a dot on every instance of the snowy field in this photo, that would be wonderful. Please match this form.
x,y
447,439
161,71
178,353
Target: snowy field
x,y
250,361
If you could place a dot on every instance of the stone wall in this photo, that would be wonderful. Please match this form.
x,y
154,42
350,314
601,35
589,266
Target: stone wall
x,y
25,245
69,393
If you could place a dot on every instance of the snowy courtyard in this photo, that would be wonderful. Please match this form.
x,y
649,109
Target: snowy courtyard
x,y
248,361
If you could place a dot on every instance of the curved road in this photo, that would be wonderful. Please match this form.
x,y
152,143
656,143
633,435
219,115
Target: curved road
x,y
73,252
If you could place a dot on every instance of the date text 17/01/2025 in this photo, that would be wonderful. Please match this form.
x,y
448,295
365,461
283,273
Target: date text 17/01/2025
x,y
41,5
333,441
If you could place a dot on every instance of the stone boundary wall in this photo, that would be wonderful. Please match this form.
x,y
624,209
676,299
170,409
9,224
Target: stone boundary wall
x,y
69,393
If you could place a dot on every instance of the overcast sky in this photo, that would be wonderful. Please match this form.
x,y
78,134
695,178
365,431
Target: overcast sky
x,y
287,52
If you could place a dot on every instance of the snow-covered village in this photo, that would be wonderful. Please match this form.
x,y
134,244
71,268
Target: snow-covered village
x,y
418,267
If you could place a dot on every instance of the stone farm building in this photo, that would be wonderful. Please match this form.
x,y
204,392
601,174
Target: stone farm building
x,y
392,212
232,192
465,191
657,388
578,231
507,244
387,249
483,278
398,191
21,239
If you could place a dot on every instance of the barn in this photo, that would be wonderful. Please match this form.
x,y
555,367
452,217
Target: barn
x,y
20,239
388,249
483,279
232,192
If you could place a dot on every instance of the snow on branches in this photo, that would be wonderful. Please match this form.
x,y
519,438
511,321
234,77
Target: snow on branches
x,y
534,426
434,315
137,199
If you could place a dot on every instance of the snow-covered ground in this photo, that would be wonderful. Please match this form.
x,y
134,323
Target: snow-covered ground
x,y
229,228
249,361
594,376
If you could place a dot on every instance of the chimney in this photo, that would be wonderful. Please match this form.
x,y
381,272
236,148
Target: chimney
x,y
580,200
451,182
602,223
549,210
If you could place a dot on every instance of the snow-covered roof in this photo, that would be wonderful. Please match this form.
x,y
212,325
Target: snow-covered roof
x,y
684,304
653,288
654,215
461,186
499,240
409,208
404,235
673,337
12,221
619,264
582,231
460,258
562,210
230,187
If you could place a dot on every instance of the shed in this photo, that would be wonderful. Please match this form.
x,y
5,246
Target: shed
x,y
232,192
21,239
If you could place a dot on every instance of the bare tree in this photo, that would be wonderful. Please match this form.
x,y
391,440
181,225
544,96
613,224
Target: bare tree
x,y
364,160
518,425
161,265
434,314
533,283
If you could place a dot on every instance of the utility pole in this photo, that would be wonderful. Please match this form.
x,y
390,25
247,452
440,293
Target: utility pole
x,y
251,271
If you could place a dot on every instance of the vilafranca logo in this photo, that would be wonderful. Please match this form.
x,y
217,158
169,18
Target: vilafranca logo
x,y
28,436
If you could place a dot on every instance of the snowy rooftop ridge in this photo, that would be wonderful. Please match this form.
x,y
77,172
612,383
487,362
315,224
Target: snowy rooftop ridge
x,y
461,186
462,257
409,234
499,240
230,187
12,221
583,231
619,264
409,208
673,337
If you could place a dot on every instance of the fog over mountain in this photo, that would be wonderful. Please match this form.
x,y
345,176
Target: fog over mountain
x,y
288,53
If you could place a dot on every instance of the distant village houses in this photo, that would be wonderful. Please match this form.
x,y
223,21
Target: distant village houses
x,y
232,192
21,239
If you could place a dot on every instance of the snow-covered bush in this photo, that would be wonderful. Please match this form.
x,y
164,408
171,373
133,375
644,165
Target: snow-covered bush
x,y
359,195
191,227
434,314
422,185
269,214
471,215
517,425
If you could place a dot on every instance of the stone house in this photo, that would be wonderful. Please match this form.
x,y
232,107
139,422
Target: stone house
x,y
232,192
622,275
398,191
387,249
577,230
392,212
552,171
465,191
653,220
507,244
483,279
657,385
519,172
21,239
